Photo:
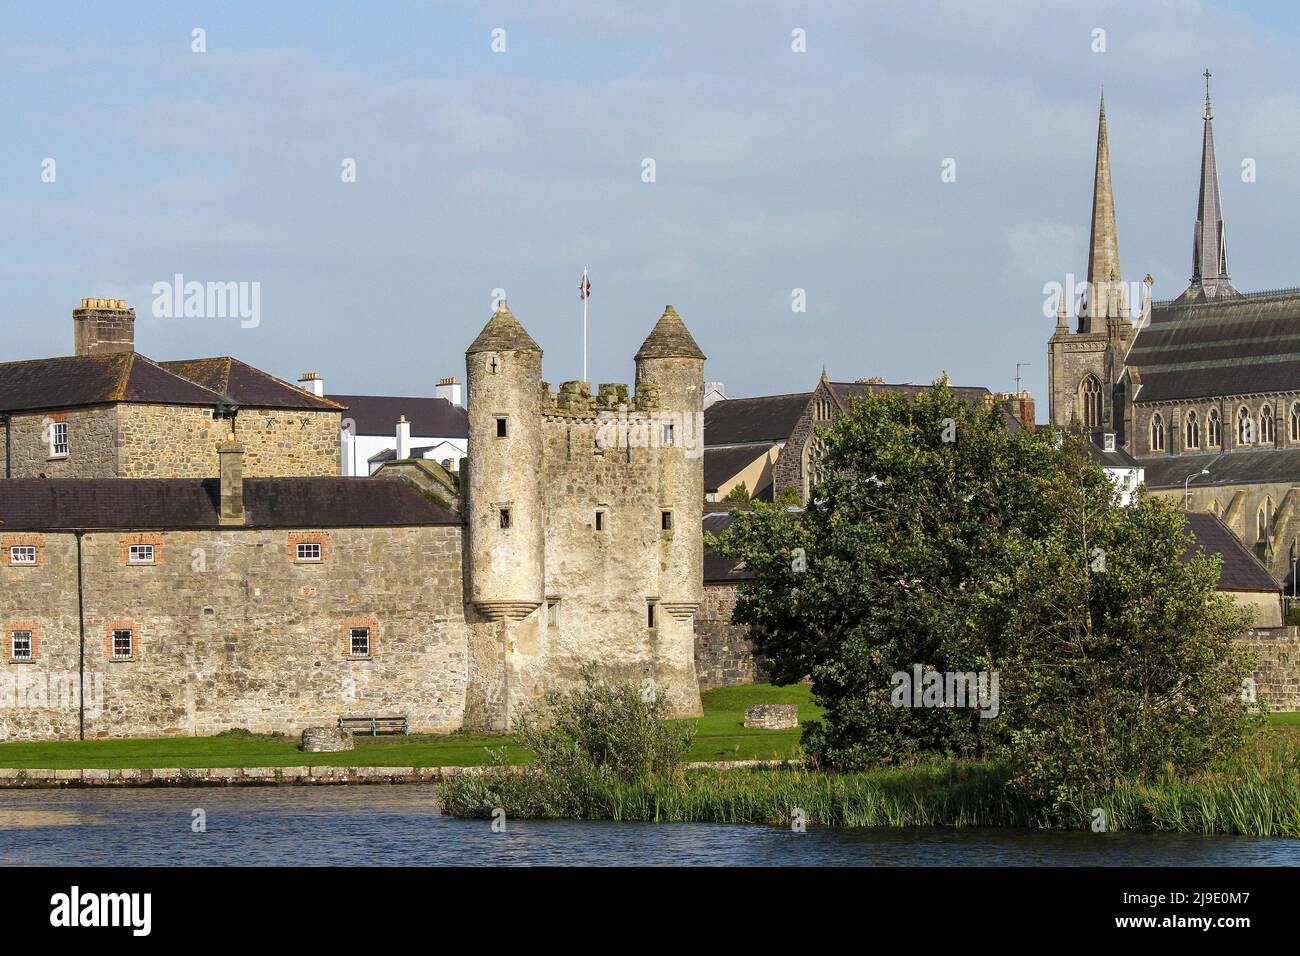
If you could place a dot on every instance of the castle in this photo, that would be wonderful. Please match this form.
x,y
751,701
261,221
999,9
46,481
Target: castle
x,y
223,590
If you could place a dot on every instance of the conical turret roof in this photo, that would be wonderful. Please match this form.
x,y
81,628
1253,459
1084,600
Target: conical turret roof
x,y
669,339
503,333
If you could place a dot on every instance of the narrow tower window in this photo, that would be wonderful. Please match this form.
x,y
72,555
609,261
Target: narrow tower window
x,y
665,521
504,517
502,427
1090,396
652,614
600,519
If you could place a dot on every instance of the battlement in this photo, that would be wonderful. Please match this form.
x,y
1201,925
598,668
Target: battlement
x,y
574,399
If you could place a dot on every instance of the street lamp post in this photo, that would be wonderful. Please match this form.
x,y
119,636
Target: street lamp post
x,y
1188,480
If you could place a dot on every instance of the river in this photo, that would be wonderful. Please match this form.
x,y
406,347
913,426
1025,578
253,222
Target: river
x,y
401,825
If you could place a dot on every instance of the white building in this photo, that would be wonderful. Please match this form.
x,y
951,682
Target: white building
x,y
380,428
1124,471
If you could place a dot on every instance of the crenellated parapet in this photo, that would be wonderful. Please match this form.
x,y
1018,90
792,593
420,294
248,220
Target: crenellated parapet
x,y
574,400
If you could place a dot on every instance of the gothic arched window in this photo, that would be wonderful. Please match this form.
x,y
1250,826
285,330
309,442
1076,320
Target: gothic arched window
x,y
1267,428
1245,427
1193,430
1090,399
1295,423
813,452
1157,432
1264,519
1213,429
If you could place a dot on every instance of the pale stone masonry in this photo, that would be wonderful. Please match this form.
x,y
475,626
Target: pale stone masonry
x,y
143,606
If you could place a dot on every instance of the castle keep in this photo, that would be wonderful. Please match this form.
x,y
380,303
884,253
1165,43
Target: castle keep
x,y
221,593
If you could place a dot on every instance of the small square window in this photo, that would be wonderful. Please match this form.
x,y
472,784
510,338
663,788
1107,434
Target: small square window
x,y
552,612
309,551
123,644
501,427
652,614
59,439
140,554
20,645
600,521
505,517
23,554
359,642
665,521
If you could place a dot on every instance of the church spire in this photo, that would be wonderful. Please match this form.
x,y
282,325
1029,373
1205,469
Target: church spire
x,y
1209,243
1103,249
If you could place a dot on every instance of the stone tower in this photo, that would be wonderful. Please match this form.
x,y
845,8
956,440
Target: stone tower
x,y
670,376
505,523
1086,365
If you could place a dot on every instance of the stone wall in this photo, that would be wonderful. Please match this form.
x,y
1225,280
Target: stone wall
x,y
230,632
723,655
159,441
169,441
1277,667
92,444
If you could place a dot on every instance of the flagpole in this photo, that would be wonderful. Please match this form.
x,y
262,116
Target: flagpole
x,y
584,323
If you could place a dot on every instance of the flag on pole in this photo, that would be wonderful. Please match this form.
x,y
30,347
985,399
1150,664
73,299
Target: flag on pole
x,y
584,287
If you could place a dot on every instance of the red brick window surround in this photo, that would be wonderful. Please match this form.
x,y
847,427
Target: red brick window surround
x,y
22,641
309,547
360,638
121,641
23,550
141,549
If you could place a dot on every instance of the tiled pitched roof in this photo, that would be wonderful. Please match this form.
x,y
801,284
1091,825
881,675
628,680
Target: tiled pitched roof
x,y
79,380
719,569
1240,570
721,464
247,386
166,504
429,417
766,418
1246,344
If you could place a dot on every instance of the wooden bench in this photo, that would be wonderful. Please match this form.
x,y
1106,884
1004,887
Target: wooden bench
x,y
375,725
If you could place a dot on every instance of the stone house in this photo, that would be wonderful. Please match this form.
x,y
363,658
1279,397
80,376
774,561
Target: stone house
x,y
110,412
771,442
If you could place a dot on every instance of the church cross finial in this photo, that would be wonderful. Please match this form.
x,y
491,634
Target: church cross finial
x,y
1207,74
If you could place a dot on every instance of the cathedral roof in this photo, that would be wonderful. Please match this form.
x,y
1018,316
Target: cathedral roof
x,y
1240,570
669,339
1242,345
503,333
763,418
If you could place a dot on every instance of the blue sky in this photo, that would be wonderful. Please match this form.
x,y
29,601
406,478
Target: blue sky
x,y
775,170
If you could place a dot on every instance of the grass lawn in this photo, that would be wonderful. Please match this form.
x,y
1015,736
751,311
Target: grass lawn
x,y
721,736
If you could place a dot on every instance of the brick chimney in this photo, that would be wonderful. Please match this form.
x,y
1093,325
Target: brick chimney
x,y
102,326
231,458
1020,405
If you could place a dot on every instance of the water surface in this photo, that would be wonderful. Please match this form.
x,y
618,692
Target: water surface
x,y
399,825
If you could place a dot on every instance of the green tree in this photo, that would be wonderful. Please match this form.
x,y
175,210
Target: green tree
x,y
939,539
739,493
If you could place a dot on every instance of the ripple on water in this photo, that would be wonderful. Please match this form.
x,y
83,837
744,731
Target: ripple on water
x,y
401,825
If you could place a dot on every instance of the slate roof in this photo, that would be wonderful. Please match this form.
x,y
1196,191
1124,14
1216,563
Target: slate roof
x,y
79,380
1118,458
247,386
429,417
390,454
1241,571
1246,344
1234,468
76,381
721,464
177,504
719,569
669,339
766,418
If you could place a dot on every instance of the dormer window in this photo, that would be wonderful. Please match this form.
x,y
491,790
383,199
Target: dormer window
x,y
1108,441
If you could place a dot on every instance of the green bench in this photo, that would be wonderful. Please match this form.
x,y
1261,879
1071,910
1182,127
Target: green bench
x,y
375,725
